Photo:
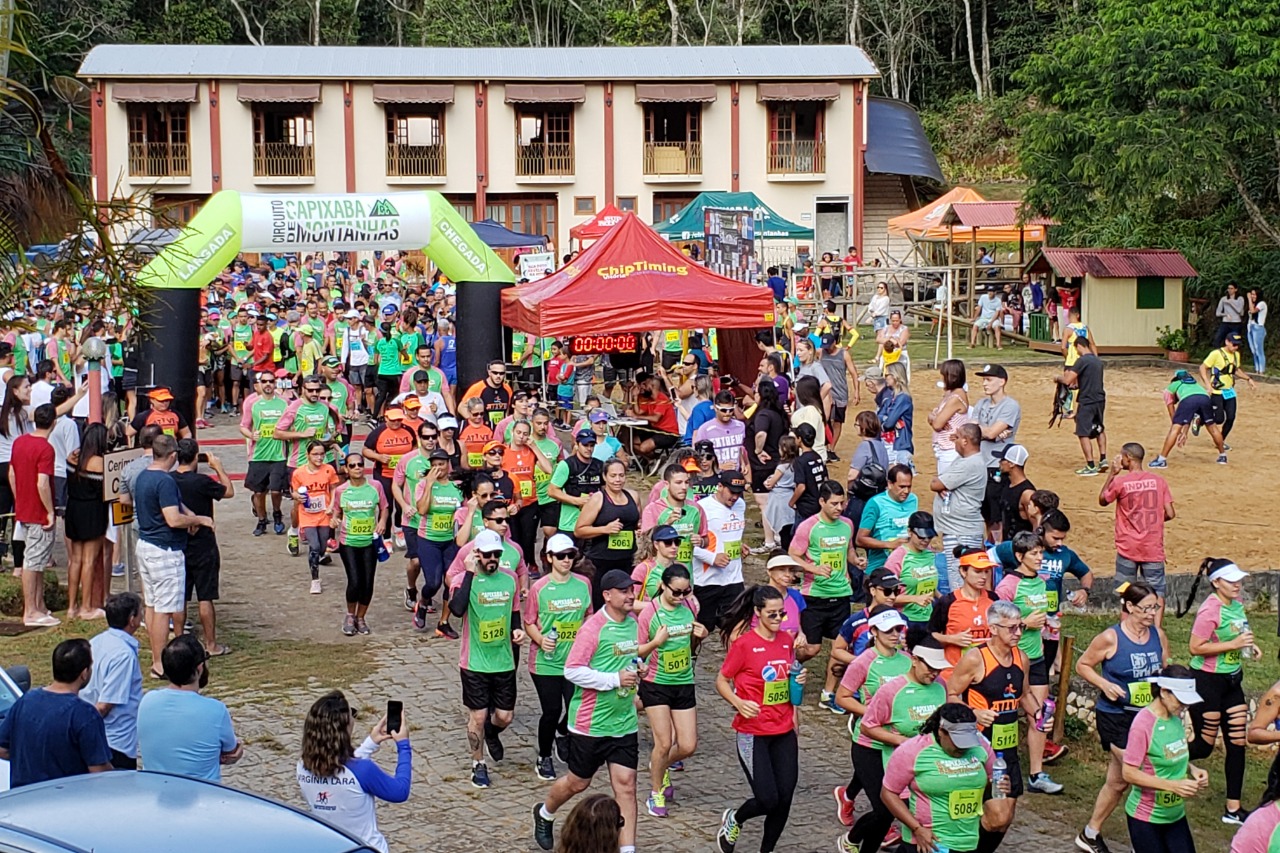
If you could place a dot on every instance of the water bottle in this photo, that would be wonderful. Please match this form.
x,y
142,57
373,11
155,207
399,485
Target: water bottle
x,y
554,637
383,553
1044,720
797,689
999,769
1247,651
633,666
303,495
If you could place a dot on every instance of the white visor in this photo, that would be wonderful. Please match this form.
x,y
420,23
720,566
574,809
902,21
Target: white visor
x,y
1230,573
1183,688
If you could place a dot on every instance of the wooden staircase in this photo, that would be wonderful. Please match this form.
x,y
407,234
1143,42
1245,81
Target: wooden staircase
x,y
884,197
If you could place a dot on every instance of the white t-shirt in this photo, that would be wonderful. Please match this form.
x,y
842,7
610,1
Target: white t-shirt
x,y
41,393
65,438
357,342
725,526
429,399
81,409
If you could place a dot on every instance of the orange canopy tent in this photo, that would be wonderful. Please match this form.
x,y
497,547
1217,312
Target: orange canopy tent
x,y
598,225
632,280
929,223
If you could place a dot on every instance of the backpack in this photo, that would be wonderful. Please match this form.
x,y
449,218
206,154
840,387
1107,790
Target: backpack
x,y
287,349
870,481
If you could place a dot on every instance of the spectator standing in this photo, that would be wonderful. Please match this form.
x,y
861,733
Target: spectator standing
x,y
883,526
768,426
202,555
86,525
1015,491
1086,376
13,423
65,438
843,374
50,733
1231,313
180,731
1256,331
957,505
1143,505
162,524
952,411
808,411
31,481
115,685
809,472
896,411
998,416
725,432
810,365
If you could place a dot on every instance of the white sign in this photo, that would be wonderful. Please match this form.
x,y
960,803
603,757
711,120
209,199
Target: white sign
x,y
536,265
279,223
113,465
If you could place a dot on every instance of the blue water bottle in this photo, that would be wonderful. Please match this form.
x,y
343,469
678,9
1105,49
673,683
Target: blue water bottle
x,y
383,553
797,689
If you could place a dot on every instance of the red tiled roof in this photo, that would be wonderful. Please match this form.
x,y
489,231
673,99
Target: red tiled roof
x,y
1119,263
990,214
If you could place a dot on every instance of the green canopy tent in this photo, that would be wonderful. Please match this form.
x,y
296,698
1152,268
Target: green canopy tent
x,y
688,224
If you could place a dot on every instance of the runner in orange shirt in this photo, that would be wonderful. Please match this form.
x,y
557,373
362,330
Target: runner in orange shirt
x,y
476,432
312,485
385,445
519,460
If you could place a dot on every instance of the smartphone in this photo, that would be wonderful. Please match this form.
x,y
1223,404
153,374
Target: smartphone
x,y
395,714
202,457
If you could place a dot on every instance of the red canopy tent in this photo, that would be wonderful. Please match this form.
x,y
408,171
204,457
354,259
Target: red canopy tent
x,y
633,280
597,226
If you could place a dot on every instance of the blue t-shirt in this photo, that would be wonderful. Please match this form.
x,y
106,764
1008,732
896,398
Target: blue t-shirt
x,y
703,412
885,519
778,285
1056,563
116,680
52,736
184,733
153,491
606,448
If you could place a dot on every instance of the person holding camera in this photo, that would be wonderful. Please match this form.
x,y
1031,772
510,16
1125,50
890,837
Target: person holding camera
x,y
204,560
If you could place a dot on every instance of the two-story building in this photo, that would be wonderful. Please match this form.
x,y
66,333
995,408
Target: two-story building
x,y
538,139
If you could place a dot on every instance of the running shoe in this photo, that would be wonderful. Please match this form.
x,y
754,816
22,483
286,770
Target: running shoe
x,y
349,625
279,527
832,457
1158,462
326,560
1087,471
201,423
1226,446
656,804
292,545
1103,464
676,767
1195,425
1042,784
1054,751
823,698
315,587
420,617
844,845
727,837
844,806
562,748
668,790
543,829
546,770
431,606
833,707
445,630
479,775
410,599
1235,818
260,528
1092,845
399,537
892,839
362,627
117,570
494,743
1222,459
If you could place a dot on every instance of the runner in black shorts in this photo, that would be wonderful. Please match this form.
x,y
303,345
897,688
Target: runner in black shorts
x,y
1086,375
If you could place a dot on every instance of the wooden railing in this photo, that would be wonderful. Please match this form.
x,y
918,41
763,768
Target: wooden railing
x,y
283,160
797,157
159,159
544,158
415,161
673,158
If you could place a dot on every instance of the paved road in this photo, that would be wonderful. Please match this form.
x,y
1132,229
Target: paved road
x,y
265,590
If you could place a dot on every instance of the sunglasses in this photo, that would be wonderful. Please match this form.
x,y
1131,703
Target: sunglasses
x,y
493,453
497,373
355,465
429,436
672,542
773,614
328,398
680,593
311,390
490,555
565,555
499,520
725,410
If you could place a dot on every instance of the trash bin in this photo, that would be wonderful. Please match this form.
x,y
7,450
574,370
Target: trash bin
x,y
1039,328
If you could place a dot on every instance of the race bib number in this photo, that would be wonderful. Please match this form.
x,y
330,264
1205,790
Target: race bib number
x,y
526,488
566,632
495,418
314,503
927,587
1168,799
685,552
540,477
623,540
393,460
833,560
239,348
267,431
1052,597
672,337
675,661
441,524
475,460
493,630
964,804
777,692
1231,658
1140,694
361,527
1228,394
1004,736
733,550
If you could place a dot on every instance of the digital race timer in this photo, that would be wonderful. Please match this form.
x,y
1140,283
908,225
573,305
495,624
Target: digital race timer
x,y
593,344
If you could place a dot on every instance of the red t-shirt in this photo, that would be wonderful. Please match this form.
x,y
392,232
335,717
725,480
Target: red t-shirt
x,y
752,662
1140,499
663,408
32,456
264,348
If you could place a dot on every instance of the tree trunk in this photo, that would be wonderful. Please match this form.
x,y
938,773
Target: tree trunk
x,y
675,22
986,53
973,61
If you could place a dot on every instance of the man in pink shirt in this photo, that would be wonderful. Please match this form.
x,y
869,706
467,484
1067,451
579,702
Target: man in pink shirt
x,y
726,433
1143,504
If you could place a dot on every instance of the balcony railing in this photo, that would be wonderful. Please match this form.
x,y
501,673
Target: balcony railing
x,y
673,158
415,161
544,158
159,159
797,157
283,160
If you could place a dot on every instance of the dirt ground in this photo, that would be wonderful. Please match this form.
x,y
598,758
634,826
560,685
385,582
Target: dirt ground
x,y
1215,515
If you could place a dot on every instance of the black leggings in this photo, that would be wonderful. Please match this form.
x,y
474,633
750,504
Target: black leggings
x,y
361,562
524,530
855,785
385,390
1228,409
554,693
872,827
1161,837
1223,696
772,765
393,517
317,539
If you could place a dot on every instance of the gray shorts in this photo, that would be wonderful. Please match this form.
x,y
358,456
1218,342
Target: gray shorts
x,y
1152,573
39,553
164,577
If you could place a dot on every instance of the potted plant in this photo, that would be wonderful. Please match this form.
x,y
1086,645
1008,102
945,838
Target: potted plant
x,y
1174,343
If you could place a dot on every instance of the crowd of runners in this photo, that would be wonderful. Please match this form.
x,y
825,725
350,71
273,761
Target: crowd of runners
x,y
510,507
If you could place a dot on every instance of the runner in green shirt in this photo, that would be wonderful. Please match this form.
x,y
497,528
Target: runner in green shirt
x,y
436,500
550,447
360,507
267,471
914,563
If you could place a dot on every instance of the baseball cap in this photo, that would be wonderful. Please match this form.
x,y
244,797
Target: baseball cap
x,y
598,416
921,524
704,446
1016,454
782,561
161,393
691,465
995,370
331,361
884,579
487,541
887,620
394,413
932,655
438,454
1233,338
493,445
352,314
963,735
733,481
584,436
447,422
1230,573
978,560
828,340
388,310
559,543
666,533
1183,688
873,372
617,579
411,403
